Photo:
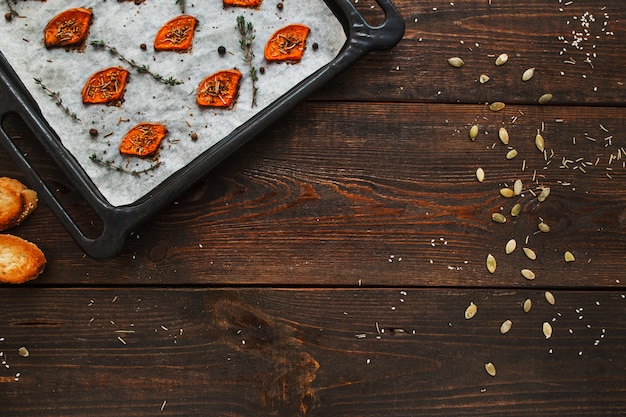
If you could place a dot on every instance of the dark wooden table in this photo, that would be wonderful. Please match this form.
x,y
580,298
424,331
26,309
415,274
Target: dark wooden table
x,y
325,268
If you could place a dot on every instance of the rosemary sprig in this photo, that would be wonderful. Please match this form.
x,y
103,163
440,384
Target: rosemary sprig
x,y
246,30
143,69
181,3
111,165
57,99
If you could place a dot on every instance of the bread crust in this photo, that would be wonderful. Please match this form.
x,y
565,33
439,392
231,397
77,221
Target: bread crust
x,y
17,202
20,260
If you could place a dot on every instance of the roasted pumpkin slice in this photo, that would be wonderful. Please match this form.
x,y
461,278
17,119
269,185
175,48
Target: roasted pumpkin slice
x,y
176,35
242,3
106,86
68,28
143,139
219,89
287,43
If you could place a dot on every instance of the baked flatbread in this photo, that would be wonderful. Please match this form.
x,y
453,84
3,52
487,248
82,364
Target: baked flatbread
x,y
20,260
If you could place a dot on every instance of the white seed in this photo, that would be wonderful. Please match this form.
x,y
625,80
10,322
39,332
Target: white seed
x,y
497,106
456,62
501,59
507,192
471,311
510,246
498,218
528,74
569,257
545,192
547,330
483,78
549,297
528,274
545,98
480,175
506,326
543,227
503,134
528,304
473,132
490,368
491,263
540,143
511,154
517,187
530,254
516,210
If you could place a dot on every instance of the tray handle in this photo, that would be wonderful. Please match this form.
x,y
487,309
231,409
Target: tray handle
x,y
380,37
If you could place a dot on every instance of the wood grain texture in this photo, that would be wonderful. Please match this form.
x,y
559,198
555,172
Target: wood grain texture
x,y
310,352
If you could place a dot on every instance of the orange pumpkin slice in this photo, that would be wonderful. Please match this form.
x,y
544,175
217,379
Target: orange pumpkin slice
x,y
68,28
106,86
287,44
143,139
176,35
219,89
242,3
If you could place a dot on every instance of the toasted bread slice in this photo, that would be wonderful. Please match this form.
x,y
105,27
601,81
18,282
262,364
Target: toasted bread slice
x,y
20,260
14,194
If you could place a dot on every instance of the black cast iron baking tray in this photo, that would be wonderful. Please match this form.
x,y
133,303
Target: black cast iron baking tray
x,y
119,221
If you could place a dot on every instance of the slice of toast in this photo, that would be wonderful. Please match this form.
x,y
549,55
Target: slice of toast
x,y
20,260
15,196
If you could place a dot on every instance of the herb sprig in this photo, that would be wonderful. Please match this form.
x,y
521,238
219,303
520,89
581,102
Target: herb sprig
x,y
12,12
57,99
246,30
112,165
143,69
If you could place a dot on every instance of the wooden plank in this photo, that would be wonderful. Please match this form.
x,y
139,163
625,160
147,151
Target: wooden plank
x,y
342,193
534,33
235,352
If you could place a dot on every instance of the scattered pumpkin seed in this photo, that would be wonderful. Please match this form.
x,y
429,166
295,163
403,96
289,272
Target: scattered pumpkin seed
x,y
507,192
480,175
517,187
473,132
528,304
498,217
549,297
528,274
510,246
569,256
502,59
545,98
530,254
540,143
497,106
471,311
490,368
23,352
506,326
456,62
547,330
528,74
511,154
516,210
543,227
491,263
484,78
545,192
503,134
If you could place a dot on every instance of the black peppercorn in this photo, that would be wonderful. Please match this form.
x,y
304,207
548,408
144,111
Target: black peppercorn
x,y
8,16
143,46
221,50
279,6
93,132
315,46
194,136
262,70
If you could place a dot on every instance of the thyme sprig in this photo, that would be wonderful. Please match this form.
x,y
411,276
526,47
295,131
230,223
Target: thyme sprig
x,y
246,30
143,69
112,165
181,3
56,96
11,4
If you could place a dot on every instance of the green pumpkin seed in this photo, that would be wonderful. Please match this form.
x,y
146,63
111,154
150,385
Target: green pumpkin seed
x,y
473,132
528,74
528,304
516,210
545,98
528,274
490,368
530,254
569,257
498,218
497,106
470,311
456,62
491,263
502,59
506,326
510,246
547,330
